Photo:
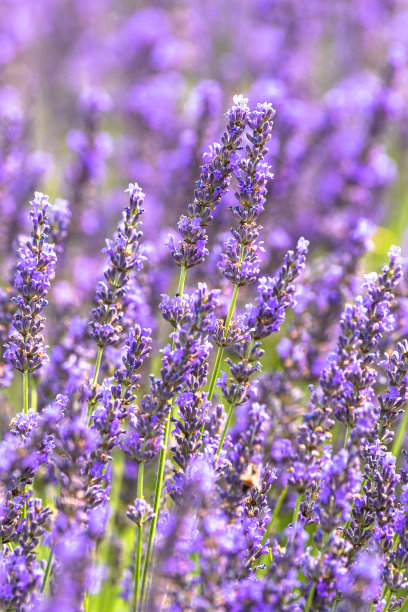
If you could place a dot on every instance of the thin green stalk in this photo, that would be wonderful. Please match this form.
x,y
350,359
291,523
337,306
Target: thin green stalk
x,y
33,395
25,407
182,280
95,375
180,291
25,391
405,605
399,438
218,360
215,371
47,571
139,542
156,503
220,351
275,513
388,601
159,481
310,597
225,430
296,510
346,439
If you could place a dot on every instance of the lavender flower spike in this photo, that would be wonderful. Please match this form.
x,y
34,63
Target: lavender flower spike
x,y
210,187
240,262
35,268
124,255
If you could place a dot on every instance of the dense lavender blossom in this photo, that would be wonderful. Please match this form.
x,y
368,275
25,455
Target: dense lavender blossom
x,y
124,255
26,349
240,262
211,186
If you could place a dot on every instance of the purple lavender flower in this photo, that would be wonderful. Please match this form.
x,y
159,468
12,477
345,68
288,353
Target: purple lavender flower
x,y
114,406
181,369
240,262
25,349
275,296
124,255
212,185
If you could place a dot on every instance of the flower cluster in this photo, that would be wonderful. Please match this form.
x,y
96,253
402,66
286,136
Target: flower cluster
x,y
211,186
124,255
240,261
26,350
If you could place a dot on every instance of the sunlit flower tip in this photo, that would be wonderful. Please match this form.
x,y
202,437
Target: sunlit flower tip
x,y
135,191
394,253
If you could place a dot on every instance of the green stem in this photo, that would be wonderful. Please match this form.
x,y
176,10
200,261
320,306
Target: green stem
x,y
139,542
215,371
310,597
228,421
33,395
388,601
399,438
156,503
275,513
220,351
180,291
182,280
346,439
218,358
25,391
296,510
225,430
95,376
404,607
159,481
47,571
25,407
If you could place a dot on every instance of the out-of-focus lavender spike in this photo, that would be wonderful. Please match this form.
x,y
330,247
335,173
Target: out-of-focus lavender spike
x,y
91,147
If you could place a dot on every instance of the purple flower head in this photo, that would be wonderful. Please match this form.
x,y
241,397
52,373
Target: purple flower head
x,y
26,350
210,187
124,255
240,260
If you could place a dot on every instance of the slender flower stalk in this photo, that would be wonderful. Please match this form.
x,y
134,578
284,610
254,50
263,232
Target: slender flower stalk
x,y
138,559
240,262
25,349
220,351
275,514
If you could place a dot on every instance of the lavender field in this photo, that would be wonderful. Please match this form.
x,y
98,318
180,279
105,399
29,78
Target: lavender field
x,y
204,305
